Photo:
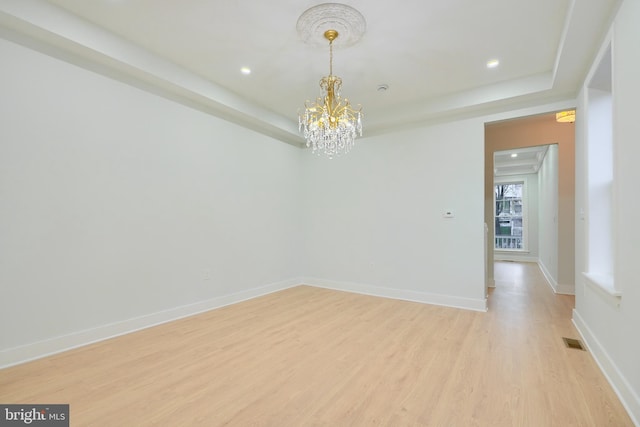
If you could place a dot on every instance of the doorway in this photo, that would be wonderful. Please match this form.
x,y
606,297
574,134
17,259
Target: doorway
x,y
549,239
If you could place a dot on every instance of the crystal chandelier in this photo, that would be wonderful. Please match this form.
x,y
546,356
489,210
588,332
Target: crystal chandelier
x,y
330,124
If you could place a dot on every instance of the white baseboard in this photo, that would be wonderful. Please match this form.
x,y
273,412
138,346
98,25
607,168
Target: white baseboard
x,y
37,350
401,294
550,280
561,288
564,289
506,256
630,400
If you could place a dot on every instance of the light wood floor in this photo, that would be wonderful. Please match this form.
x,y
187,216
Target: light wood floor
x,y
317,357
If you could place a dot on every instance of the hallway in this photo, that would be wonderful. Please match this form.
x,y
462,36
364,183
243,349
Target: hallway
x,y
532,322
522,291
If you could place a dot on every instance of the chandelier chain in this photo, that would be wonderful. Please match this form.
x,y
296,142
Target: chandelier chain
x,y
330,57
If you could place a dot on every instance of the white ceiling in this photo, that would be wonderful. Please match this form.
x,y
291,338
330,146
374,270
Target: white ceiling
x,y
431,54
519,161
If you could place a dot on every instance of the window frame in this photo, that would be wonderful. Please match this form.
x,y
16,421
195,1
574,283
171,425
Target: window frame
x,y
525,213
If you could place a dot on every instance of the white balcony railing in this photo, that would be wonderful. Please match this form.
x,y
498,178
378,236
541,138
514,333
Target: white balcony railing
x,y
508,242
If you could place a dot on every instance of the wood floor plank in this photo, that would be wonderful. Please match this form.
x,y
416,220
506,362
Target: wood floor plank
x,y
317,357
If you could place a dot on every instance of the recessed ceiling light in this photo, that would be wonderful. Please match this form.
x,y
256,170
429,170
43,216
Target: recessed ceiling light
x,y
245,70
493,63
514,155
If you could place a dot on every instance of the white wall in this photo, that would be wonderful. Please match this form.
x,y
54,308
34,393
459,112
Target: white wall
x,y
609,324
120,209
117,204
548,218
376,217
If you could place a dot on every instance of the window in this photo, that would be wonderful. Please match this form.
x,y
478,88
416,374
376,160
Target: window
x,y
600,178
508,216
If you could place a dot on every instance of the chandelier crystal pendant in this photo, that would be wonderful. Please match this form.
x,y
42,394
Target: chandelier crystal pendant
x,y
330,125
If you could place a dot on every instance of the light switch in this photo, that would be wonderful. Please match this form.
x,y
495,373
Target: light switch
x,y
448,214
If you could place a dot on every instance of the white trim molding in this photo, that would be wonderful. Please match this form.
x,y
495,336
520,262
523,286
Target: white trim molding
x,y
479,304
603,285
558,288
515,256
40,349
629,398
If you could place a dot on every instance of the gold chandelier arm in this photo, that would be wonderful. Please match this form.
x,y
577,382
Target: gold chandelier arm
x,y
347,109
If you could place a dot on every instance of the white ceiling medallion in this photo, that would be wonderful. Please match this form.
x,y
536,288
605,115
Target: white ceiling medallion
x,y
315,21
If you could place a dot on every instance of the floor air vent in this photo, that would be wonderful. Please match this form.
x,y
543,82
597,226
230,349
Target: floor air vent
x,y
573,343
